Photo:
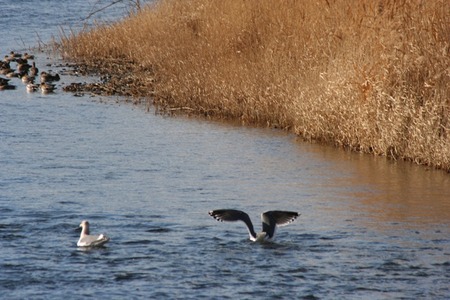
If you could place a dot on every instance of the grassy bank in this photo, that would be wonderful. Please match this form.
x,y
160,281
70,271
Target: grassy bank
x,y
372,76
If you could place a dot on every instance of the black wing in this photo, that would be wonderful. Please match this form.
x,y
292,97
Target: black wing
x,y
270,219
232,215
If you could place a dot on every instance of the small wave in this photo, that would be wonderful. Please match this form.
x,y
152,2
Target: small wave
x,y
159,230
68,202
11,237
138,242
128,276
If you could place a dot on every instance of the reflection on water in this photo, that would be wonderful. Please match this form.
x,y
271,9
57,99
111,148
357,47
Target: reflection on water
x,y
393,191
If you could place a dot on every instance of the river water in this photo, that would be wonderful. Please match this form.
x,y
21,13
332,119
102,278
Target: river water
x,y
369,228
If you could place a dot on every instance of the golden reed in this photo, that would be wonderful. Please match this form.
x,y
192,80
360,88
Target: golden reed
x,y
372,76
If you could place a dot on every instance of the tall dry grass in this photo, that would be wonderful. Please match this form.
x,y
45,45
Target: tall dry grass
x,y
372,76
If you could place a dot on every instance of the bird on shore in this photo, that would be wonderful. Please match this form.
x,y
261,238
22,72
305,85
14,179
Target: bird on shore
x,y
88,240
270,220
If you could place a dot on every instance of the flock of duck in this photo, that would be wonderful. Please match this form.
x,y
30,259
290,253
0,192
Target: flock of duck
x,y
270,221
26,73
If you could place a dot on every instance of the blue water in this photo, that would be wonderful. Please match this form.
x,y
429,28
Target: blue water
x,y
369,228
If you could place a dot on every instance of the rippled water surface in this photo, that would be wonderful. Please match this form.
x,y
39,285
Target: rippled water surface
x,y
369,228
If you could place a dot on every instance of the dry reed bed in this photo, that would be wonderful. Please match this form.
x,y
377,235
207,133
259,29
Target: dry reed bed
x,y
372,76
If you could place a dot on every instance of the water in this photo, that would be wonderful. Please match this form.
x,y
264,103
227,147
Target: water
x,y
369,228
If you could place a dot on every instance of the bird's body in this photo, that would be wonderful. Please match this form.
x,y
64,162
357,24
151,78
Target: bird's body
x,y
23,67
87,240
6,70
4,81
4,84
47,77
33,70
28,56
47,88
27,79
270,220
31,87
13,56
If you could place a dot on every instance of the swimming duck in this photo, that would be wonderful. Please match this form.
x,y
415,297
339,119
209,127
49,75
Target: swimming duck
x,y
87,240
31,87
270,220
6,86
12,74
4,81
28,56
47,77
6,70
47,88
23,67
21,60
7,59
27,79
13,56
33,71
5,65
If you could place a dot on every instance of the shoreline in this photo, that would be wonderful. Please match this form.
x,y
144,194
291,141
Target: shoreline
x,y
188,58
117,86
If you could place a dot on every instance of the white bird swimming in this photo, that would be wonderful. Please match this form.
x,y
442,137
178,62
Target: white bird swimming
x,y
87,240
270,220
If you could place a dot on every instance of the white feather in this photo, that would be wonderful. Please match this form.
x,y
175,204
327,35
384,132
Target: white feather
x,y
88,240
